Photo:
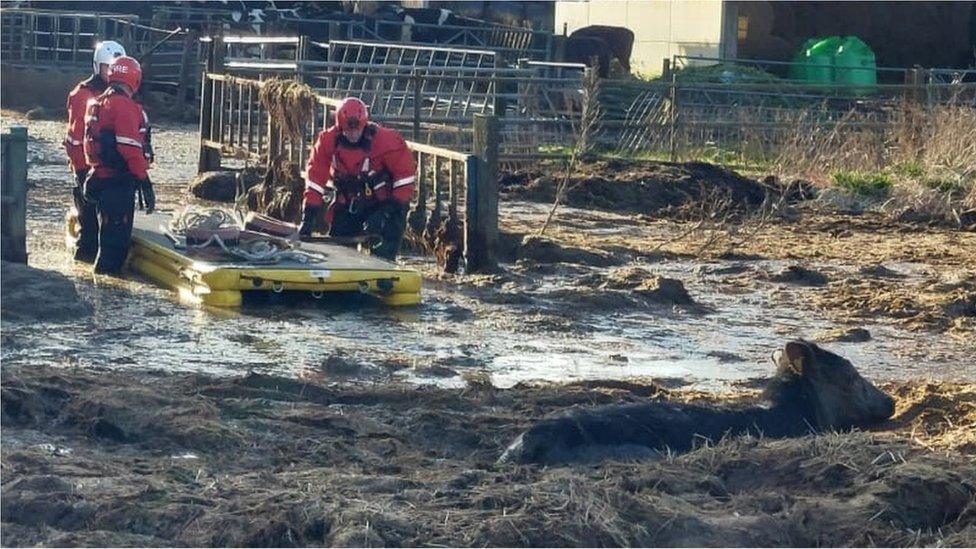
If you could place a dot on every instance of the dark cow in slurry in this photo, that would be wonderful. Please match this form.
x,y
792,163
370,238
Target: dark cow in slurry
x,y
587,50
619,40
813,390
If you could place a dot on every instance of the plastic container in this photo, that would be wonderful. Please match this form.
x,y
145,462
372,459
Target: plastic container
x,y
854,64
798,70
820,60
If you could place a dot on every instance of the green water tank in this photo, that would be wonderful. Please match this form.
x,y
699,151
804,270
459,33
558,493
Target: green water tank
x,y
854,64
798,70
820,60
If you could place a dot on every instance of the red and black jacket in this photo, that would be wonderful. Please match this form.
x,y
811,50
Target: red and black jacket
x,y
380,151
116,130
77,105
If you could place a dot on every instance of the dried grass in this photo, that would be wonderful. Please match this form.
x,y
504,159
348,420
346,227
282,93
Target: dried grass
x,y
935,143
290,463
292,105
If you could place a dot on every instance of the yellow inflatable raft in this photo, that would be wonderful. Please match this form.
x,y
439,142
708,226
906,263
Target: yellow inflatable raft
x,y
221,283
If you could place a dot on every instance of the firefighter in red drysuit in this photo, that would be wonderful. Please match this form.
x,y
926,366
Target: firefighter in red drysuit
x,y
116,148
86,245
370,173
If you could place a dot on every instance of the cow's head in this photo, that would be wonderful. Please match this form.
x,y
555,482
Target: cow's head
x,y
838,396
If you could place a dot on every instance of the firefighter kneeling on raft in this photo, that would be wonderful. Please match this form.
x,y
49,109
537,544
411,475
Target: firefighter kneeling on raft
x,y
370,172
117,149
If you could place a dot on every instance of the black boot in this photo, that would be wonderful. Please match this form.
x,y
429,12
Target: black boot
x,y
310,218
388,222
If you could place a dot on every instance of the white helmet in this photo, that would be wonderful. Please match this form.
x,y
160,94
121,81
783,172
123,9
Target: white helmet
x,y
105,52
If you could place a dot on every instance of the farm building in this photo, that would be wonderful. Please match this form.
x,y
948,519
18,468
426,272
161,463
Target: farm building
x,y
902,34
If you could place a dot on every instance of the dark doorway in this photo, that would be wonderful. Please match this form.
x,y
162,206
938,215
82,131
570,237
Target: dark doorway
x,y
902,34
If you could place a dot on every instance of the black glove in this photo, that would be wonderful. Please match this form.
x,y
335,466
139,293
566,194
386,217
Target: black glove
x,y
348,185
310,217
147,196
372,179
147,148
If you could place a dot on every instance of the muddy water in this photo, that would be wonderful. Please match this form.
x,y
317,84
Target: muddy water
x,y
519,333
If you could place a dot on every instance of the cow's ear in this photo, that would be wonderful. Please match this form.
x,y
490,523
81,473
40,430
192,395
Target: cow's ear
x,y
796,356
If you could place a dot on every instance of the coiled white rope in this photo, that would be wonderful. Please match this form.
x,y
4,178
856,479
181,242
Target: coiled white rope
x,y
262,251
193,217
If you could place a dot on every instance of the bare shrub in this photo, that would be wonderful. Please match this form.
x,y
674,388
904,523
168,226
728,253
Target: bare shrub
x,y
720,226
589,119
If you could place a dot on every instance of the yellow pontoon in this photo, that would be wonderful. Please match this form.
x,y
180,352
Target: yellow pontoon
x,y
221,283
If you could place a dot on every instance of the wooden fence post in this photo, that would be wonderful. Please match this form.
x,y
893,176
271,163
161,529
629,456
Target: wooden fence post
x,y
914,80
481,208
186,63
14,195
673,120
916,114
209,158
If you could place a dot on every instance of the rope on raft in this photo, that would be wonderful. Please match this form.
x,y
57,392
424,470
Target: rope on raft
x,y
260,250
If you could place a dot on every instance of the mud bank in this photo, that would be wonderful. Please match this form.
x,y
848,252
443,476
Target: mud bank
x,y
35,294
638,186
158,459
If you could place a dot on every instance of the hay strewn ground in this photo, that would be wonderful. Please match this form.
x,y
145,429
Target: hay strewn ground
x,y
157,459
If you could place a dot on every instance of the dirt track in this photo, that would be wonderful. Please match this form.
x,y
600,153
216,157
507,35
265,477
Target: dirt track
x,y
150,423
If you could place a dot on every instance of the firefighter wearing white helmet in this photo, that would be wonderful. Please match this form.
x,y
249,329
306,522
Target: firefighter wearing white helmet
x,y
86,245
105,52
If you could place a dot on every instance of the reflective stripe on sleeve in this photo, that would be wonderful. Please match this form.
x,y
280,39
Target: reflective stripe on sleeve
x,y
314,186
404,181
128,141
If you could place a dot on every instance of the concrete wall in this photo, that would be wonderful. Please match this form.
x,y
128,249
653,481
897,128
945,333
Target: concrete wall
x,y
662,28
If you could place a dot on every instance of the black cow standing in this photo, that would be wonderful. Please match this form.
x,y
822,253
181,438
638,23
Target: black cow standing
x,y
619,41
588,51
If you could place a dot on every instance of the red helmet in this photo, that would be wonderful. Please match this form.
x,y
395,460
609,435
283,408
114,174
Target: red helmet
x,y
125,70
352,114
